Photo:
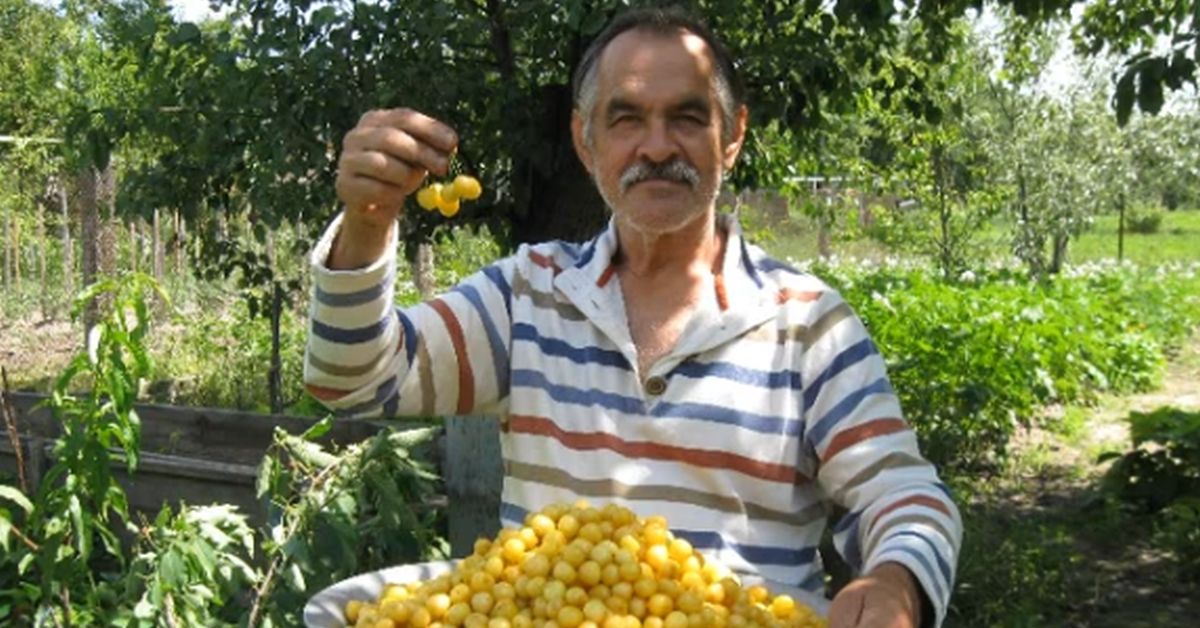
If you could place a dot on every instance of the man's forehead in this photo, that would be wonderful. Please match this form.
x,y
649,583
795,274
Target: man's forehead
x,y
644,53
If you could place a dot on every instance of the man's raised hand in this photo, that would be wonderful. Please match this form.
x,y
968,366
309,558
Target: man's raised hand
x,y
384,159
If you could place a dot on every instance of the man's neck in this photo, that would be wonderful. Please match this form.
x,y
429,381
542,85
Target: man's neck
x,y
693,250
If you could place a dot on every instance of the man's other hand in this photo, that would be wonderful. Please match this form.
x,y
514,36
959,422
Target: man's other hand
x,y
888,597
384,159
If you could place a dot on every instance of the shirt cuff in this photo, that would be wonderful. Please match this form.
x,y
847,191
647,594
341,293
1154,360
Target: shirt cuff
x,y
929,588
355,279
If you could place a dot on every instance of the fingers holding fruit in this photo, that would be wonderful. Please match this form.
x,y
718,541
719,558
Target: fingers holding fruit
x,y
387,156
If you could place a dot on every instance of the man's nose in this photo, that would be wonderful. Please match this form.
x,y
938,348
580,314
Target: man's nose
x,y
658,146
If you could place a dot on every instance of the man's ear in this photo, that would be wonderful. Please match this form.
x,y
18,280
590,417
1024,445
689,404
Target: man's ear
x,y
734,147
581,145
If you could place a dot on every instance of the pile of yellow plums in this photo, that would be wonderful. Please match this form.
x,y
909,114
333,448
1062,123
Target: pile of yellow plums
x,y
447,197
575,566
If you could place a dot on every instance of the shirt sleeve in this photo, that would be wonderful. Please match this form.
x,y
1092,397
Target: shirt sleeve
x,y
367,358
869,462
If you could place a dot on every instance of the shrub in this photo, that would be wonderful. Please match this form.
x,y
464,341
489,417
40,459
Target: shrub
x,y
331,513
972,360
222,359
1160,475
1143,219
1179,531
1164,464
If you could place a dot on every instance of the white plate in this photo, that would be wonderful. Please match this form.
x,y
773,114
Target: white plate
x,y
324,610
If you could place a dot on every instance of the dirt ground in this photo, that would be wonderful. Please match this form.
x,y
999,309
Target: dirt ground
x,y
1130,582
34,351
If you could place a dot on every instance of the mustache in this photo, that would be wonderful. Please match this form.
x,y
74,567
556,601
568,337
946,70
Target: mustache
x,y
676,170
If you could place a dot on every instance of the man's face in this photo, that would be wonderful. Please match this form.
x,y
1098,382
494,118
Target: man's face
x,y
655,149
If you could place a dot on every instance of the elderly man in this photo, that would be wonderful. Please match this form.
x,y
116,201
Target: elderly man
x,y
667,364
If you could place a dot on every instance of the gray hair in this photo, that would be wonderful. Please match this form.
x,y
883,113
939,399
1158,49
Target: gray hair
x,y
663,21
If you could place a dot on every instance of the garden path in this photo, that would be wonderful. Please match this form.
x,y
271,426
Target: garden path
x,y
1118,576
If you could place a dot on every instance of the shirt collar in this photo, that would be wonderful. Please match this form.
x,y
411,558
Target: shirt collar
x,y
749,298
743,283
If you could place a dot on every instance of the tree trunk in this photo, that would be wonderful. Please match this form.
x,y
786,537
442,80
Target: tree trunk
x,y
554,195
68,268
8,274
157,244
275,381
1060,253
269,245
110,229
42,250
824,244
135,248
1121,227
16,251
98,237
146,246
939,181
422,269
180,243
89,238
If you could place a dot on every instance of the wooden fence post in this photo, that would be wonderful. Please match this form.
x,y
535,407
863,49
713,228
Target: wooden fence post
x,y
473,472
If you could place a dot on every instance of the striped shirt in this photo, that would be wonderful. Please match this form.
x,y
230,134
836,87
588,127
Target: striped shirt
x,y
773,404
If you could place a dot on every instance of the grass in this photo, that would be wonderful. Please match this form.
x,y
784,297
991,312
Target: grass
x,y
1177,240
1044,545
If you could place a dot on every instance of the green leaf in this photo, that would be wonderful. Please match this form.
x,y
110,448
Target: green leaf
x,y
185,33
83,535
318,429
95,336
172,570
324,15
17,497
268,470
1123,96
145,609
1150,89
5,529
592,23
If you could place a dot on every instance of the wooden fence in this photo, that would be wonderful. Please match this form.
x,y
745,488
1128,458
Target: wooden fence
x,y
208,455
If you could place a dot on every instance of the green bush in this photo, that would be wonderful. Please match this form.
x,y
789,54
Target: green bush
x,y
1163,465
1144,219
973,359
331,513
222,359
1160,475
1179,531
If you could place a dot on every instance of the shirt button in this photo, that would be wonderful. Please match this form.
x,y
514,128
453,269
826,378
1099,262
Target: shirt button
x,y
656,386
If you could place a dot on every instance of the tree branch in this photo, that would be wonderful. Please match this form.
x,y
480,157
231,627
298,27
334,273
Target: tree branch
x,y
10,422
501,39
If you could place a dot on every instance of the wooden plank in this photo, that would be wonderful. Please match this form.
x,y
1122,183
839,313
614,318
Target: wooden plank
x,y
211,433
197,455
473,472
169,480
